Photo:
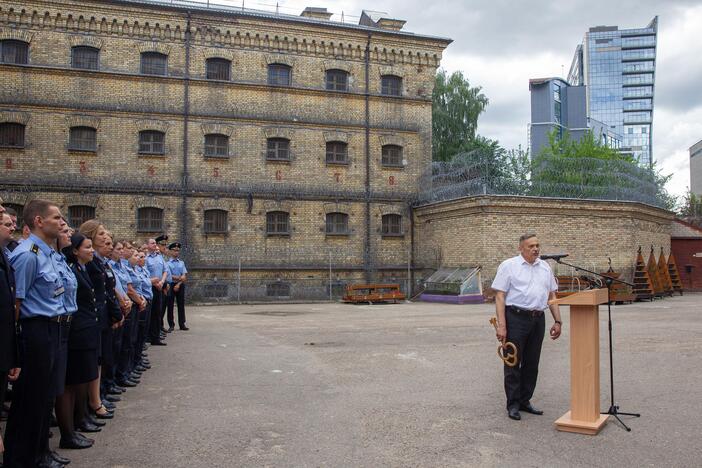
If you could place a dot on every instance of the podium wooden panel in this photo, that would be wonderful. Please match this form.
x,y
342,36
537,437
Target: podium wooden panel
x,y
584,416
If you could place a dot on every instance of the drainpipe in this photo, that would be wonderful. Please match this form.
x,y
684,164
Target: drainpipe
x,y
185,183
367,247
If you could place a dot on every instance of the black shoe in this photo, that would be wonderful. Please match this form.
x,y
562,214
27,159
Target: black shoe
x,y
115,390
82,437
127,383
112,398
110,406
87,427
530,409
513,413
49,460
134,377
158,343
93,420
163,330
74,443
170,330
58,458
141,368
184,328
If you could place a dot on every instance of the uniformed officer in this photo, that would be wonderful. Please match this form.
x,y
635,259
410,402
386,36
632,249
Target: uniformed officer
x,y
157,275
523,286
122,335
42,311
131,324
162,242
144,287
176,294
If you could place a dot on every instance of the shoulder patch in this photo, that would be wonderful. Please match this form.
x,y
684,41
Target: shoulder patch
x,y
35,249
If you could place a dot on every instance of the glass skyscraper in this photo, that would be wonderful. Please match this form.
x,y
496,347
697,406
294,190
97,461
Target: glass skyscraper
x,y
617,68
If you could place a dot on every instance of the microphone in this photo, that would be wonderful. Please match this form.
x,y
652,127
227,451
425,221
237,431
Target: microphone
x,y
555,257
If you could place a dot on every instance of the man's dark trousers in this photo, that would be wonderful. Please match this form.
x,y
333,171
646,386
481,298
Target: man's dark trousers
x,y
155,318
125,366
526,331
179,299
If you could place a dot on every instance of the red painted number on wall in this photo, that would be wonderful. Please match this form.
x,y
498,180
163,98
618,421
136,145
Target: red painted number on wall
x,y
391,180
278,175
215,172
83,167
151,171
8,163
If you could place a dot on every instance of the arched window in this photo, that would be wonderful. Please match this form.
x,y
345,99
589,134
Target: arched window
x,y
337,80
392,225
216,146
152,142
11,135
16,52
278,149
391,85
277,223
337,224
82,139
154,63
78,214
218,69
392,156
149,219
85,58
215,222
337,152
279,74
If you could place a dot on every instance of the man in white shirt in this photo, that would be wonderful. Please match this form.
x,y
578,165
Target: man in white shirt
x,y
524,284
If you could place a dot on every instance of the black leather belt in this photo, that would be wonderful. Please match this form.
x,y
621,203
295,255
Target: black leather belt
x,y
65,318
529,312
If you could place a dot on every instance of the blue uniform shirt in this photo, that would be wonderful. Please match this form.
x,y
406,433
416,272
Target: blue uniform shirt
x,y
155,264
122,278
133,276
70,283
37,279
177,267
144,282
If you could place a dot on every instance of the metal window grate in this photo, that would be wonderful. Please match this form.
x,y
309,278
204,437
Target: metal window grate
x,y
392,225
278,149
337,80
217,146
16,52
78,214
215,221
12,135
218,69
337,223
392,155
154,63
151,142
277,223
279,75
278,289
391,85
85,58
82,139
337,152
149,219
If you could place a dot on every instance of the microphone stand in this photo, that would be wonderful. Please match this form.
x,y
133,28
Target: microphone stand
x,y
613,409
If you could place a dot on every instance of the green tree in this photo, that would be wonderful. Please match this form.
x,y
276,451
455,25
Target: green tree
x,y
690,208
455,110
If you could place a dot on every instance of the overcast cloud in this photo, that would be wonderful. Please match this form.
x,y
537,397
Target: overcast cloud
x,y
501,44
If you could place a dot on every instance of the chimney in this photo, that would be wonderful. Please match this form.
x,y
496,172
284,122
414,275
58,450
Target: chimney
x,y
316,13
379,19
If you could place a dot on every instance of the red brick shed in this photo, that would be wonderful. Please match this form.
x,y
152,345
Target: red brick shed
x,y
686,245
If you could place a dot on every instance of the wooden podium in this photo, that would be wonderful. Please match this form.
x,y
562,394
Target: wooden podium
x,y
584,416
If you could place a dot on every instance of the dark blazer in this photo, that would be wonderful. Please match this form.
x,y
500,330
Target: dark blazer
x,y
8,338
105,298
85,326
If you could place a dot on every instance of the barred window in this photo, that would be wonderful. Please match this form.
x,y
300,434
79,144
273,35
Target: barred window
x,y
16,52
78,214
216,146
391,85
279,74
149,220
218,69
19,209
337,80
215,221
82,139
11,135
392,155
337,152
154,63
392,225
337,223
215,290
85,58
277,223
151,142
278,149
278,289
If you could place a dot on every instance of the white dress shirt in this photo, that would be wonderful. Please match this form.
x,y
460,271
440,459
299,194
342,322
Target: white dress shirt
x,y
526,285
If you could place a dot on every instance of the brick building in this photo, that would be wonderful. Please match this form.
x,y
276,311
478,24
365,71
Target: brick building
x,y
284,144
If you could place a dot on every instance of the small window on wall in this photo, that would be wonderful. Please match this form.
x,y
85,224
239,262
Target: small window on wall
x,y
391,85
152,142
78,214
218,69
278,289
337,152
392,225
279,74
278,149
85,58
216,290
337,80
337,224
15,52
392,156
216,146
277,223
154,63
82,139
149,220
215,222
11,135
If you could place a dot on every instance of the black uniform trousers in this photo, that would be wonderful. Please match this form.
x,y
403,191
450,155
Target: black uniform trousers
x,y
129,336
164,305
27,428
179,299
526,331
142,332
155,318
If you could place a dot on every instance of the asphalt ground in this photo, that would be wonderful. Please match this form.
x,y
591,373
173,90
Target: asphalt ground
x,y
335,385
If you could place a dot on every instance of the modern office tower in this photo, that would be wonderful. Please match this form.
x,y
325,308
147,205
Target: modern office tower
x,y
696,168
617,68
560,107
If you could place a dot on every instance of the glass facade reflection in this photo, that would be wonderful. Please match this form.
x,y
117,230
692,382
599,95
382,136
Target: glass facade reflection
x,y
617,68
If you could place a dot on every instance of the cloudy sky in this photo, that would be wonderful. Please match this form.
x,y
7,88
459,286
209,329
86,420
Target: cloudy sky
x,y
500,44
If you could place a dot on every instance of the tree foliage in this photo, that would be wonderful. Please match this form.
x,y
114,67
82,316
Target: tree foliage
x,y
455,110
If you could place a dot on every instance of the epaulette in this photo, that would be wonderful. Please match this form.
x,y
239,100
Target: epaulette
x,y
35,249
